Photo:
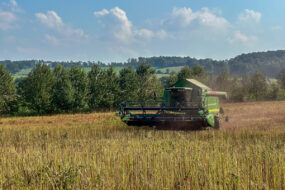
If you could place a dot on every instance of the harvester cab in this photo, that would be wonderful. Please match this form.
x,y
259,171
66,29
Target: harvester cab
x,y
188,102
178,96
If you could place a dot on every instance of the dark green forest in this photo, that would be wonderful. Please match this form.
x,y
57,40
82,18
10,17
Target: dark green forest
x,y
49,90
269,63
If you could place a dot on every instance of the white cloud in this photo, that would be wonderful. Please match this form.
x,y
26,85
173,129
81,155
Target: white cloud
x,y
101,13
53,21
51,39
250,16
123,51
162,34
185,17
119,27
239,37
14,3
116,22
276,28
144,34
8,14
6,20
29,51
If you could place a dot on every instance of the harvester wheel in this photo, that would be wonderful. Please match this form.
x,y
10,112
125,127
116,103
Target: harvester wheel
x,y
218,123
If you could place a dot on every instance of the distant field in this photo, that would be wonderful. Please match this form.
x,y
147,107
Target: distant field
x,y
25,72
22,73
163,70
170,69
116,69
98,151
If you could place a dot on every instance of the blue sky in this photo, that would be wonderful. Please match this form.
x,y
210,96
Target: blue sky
x,y
115,30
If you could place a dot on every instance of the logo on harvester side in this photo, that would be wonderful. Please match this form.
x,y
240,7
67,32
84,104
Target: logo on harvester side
x,y
214,110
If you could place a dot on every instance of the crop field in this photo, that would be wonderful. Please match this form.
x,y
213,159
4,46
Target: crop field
x,y
170,69
24,72
98,151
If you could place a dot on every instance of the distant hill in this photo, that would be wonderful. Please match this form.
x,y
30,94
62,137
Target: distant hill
x,y
270,63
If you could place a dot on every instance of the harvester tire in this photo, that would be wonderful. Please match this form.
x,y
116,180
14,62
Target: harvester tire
x,y
218,123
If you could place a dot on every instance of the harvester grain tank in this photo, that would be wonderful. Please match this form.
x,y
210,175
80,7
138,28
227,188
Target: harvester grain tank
x,y
188,101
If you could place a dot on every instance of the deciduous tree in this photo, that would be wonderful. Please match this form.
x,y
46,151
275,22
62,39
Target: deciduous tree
x,y
128,85
62,97
37,88
7,89
146,81
223,81
110,88
281,78
95,86
79,84
259,86
185,73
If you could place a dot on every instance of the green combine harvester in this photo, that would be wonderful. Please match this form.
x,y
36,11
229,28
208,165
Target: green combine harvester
x,y
188,103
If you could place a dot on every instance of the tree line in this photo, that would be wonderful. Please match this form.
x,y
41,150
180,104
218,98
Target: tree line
x,y
61,89
66,90
269,63
17,66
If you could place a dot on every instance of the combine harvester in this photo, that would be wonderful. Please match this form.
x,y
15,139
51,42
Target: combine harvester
x,y
187,104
